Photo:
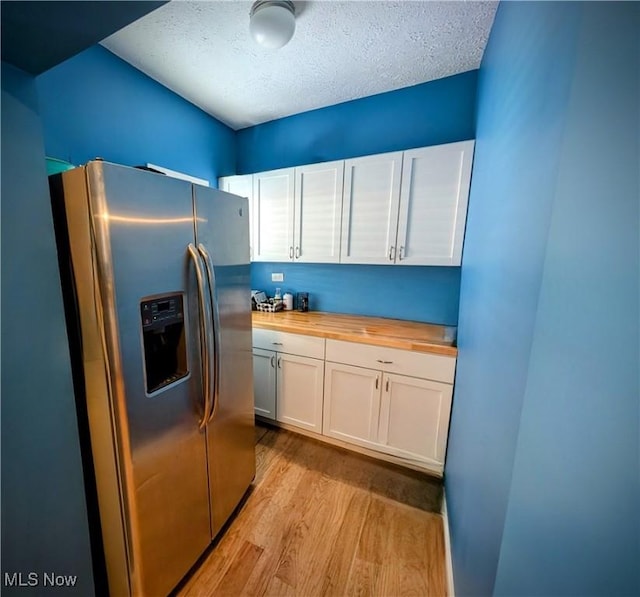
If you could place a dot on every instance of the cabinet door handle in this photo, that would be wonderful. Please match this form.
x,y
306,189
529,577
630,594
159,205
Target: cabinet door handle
x,y
384,362
279,362
400,253
297,252
277,343
392,253
377,382
386,388
291,252
273,361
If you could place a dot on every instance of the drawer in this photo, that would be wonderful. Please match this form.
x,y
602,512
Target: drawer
x,y
392,360
306,346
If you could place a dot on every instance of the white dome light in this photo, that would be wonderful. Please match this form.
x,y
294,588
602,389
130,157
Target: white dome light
x,y
272,22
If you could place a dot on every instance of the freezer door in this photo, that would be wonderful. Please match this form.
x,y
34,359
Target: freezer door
x,y
222,235
143,224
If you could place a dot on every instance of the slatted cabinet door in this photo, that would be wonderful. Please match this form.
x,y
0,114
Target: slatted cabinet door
x,y
433,204
273,201
318,212
370,208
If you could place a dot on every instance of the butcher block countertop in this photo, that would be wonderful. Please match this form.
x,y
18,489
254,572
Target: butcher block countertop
x,y
395,333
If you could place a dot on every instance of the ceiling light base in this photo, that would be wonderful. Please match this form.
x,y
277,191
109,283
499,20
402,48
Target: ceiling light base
x,y
272,22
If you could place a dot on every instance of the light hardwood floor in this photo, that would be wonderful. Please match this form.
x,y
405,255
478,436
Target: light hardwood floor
x,y
320,520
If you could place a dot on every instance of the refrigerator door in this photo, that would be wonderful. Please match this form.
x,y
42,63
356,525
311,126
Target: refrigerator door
x,y
143,224
222,236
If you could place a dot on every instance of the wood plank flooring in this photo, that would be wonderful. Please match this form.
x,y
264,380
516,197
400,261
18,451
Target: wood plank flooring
x,y
320,520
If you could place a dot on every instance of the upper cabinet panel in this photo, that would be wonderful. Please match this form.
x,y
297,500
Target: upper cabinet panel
x,y
318,212
273,215
433,204
370,208
243,186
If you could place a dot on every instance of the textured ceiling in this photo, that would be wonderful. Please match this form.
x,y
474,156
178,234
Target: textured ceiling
x,y
340,51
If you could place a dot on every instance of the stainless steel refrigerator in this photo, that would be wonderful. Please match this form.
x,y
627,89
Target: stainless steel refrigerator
x,y
155,276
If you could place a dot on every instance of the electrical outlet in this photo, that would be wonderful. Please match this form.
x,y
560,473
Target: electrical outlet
x,y
277,277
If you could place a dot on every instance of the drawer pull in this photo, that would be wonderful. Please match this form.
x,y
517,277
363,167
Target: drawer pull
x,y
277,343
385,362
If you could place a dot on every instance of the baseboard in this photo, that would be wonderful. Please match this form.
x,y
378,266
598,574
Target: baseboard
x,y
447,547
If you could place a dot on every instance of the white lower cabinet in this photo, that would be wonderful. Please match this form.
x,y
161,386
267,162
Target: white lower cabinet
x,y
299,391
264,382
394,402
381,409
414,418
288,372
351,403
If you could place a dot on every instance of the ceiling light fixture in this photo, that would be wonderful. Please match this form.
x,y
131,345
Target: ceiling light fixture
x,y
272,22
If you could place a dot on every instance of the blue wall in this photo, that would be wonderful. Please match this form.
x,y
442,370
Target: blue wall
x,y
96,105
542,470
417,293
573,521
437,112
431,113
44,516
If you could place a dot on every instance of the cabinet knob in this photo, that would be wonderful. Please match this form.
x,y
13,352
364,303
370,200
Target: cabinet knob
x,y
291,252
377,382
279,362
401,253
392,253
273,361
297,252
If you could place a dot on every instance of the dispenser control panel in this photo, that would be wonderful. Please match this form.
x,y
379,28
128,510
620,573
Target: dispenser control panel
x,y
164,341
161,312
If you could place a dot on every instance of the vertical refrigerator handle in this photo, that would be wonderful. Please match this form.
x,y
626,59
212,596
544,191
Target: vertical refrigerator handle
x,y
205,337
216,330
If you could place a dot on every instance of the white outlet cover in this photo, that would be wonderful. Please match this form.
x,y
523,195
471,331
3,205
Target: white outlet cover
x,y
277,277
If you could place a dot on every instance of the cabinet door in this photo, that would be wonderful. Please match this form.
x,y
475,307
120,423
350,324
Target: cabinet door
x,y
370,208
243,186
351,404
318,212
433,204
264,383
273,215
299,391
414,418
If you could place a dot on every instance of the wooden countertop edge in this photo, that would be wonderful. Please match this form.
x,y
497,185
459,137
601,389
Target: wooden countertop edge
x,y
360,338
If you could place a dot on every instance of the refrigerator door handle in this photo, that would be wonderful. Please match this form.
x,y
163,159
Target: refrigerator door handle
x,y
205,337
216,331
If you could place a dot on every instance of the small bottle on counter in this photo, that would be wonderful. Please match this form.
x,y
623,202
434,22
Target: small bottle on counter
x,y
288,301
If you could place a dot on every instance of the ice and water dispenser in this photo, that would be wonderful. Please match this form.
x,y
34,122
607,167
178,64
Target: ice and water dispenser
x,y
165,349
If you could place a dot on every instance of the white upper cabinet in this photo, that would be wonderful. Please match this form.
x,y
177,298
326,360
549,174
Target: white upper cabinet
x,y
273,201
318,212
404,208
433,204
241,185
370,208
